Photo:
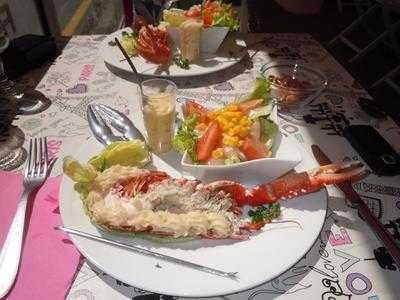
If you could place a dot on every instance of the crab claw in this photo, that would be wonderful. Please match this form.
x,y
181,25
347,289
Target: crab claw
x,y
99,128
120,122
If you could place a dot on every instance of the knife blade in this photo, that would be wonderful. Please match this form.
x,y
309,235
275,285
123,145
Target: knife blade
x,y
376,226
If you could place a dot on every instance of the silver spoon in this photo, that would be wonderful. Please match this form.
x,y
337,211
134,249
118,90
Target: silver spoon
x,y
99,128
120,122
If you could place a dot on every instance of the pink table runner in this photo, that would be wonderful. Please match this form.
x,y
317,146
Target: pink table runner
x,y
49,259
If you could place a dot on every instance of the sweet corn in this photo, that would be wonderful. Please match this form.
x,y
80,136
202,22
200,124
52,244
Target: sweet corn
x,y
218,153
201,127
234,123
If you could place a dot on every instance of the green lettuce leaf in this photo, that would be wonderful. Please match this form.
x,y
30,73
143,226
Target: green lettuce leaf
x,y
269,129
227,18
186,137
124,153
261,90
261,111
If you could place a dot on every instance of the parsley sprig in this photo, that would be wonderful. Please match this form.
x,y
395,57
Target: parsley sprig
x,y
265,213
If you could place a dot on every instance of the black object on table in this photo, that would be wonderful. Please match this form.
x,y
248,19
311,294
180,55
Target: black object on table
x,y
28,52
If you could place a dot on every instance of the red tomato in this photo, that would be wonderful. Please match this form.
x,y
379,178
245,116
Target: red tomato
x,y
249,105
209,141
252,150
193,13
207,17
192,107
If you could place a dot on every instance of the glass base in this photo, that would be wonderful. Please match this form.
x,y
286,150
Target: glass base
x,y
13,159
32,102
12,155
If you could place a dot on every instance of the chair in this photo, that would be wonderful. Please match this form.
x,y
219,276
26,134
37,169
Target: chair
x,y
388,37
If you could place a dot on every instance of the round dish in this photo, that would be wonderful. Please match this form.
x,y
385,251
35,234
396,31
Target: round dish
x,y
294,85
209,62
277,246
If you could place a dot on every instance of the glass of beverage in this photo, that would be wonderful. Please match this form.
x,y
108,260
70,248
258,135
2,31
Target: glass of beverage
x,y
158,108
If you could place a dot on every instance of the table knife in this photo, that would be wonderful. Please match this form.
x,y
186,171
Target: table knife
x,y
377,227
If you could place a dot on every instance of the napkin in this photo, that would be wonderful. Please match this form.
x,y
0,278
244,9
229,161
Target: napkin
x,y
49,260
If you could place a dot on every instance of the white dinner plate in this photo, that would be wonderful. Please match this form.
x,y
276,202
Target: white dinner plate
x,y
263,257
229,54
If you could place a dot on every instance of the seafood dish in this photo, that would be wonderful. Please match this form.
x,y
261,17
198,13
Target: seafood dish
x,y
125,198
155,42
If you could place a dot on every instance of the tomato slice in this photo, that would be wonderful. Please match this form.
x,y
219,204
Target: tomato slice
x,y
208,17
249,105
209,141
193,13
191,107
251,150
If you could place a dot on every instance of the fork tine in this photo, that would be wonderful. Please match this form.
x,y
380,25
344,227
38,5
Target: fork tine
x,y
29,159
40,162
46,156
35,158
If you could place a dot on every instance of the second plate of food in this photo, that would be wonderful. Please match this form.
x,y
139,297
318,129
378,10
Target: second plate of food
x,y
229,53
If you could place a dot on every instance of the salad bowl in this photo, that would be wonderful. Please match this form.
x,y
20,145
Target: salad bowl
x,y
211,38
285,156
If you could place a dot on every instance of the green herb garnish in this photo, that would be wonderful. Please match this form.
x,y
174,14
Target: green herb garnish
x,y
182,63
112,43
265,213
186,137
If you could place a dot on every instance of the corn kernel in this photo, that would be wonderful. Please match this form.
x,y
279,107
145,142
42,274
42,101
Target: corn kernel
x,y
218,153
231,132
243,121
237,128
201,127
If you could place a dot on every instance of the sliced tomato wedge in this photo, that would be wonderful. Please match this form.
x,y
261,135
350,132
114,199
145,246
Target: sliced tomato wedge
x,y
209,141
252,150
191,107
208,17
193,13
249,105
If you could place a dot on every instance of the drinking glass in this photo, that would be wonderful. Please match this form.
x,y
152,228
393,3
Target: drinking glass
x,y
158,108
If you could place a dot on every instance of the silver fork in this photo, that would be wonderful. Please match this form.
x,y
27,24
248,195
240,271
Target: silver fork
x,y
35,174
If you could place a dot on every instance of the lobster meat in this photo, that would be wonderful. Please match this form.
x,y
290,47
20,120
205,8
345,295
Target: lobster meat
x,y
137,200
285,187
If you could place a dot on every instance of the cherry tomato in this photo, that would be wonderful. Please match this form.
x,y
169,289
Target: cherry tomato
x,y
209,141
